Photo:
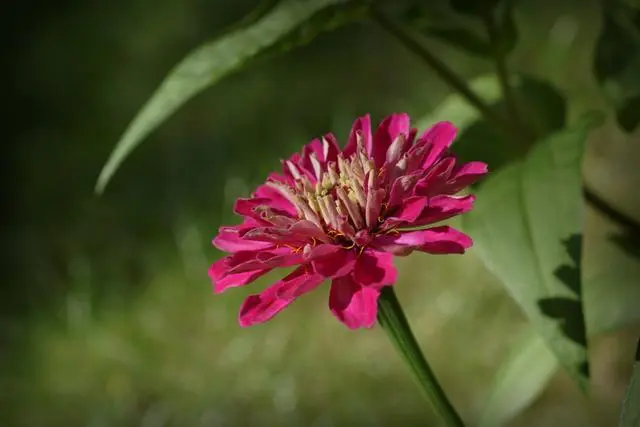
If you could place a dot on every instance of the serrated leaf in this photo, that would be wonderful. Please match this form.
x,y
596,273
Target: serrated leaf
x,y
521,378
527,229
630,416
205,66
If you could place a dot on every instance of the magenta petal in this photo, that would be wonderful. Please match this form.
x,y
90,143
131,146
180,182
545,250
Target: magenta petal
x,y
437,240
388,130
248,260
333,261
229,240
375,269
276,199
443,207
466,175
407,213
262,307
222,281
437,140
362,127
353,304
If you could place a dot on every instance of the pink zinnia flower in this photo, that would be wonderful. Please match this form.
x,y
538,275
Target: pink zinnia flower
x,y
344,215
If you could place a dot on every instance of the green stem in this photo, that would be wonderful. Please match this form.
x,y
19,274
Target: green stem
x,y
393,321
443,71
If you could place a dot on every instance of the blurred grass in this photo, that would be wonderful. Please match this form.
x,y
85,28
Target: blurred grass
x,y
109,312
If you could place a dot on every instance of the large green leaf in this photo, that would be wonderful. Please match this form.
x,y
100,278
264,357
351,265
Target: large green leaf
x,y
520,379
527,228
631,407
205,66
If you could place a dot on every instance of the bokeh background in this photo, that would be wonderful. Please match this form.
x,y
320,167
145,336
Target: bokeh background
x,y
108,318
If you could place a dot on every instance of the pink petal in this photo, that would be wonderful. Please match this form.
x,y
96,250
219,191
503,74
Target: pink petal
x,y
276,199
402,187
442,207
466,175
262,307
222,281
375,269
353,304
437,139
229,240
388,130
407,213
362,127
332,260
437,240
436,179
248,260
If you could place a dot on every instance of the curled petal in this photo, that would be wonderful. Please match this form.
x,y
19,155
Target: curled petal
x,y
407,213
465,175
437,178
258,260
388,131
262,307
436,240
353,304
361,129
375,269
442,207
229,240
276,199
437,139
222,280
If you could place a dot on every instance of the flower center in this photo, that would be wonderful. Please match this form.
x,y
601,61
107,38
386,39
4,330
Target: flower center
x,y
342,198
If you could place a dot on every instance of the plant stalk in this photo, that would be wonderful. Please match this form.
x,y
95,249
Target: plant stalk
x,y
394,322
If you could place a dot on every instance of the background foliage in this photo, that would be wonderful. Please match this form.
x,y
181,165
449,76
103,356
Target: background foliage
x,y
107,315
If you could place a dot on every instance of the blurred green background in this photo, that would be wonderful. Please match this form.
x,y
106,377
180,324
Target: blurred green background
x,y
108,318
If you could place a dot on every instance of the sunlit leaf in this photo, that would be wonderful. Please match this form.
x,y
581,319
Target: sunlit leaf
x,y
521,378
205,66
630,416
527,228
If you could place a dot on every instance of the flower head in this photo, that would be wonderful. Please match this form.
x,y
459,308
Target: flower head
x,y
344,215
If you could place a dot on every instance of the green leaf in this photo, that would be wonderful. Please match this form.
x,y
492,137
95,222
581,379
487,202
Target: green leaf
x,y
527,229
630,416
462,39
521,378
205,66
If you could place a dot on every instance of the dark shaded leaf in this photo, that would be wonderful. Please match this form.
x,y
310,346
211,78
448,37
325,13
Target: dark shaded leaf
x,y
205,66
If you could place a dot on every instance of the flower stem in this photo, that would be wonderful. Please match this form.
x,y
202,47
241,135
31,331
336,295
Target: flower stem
x,y
443,71
394,322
